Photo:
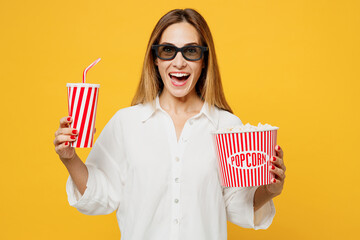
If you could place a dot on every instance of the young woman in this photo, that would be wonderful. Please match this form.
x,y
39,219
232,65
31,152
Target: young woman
x,y
155,162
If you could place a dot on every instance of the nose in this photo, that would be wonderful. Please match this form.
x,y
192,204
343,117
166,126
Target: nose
x,y
179,61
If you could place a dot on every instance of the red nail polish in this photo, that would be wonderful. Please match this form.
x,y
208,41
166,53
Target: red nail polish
x,y
278,147
274,180
72,137
274,159
74,131
69,118
66,143
272,167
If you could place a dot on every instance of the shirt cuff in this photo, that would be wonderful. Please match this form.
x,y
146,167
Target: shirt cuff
x,y
240,210
74,196
263,217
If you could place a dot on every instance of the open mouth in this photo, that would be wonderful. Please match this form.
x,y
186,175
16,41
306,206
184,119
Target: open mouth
x,y
179,79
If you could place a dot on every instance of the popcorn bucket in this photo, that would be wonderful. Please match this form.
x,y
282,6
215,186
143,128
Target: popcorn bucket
x,y
244,157
82,102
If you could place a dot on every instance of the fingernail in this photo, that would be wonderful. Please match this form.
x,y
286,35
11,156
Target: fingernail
x,y
272,167
274,180
74,131
69,118
66,143
274,159
72,137
277,147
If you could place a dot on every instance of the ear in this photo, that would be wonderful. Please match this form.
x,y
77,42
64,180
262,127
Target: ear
x,y
156,61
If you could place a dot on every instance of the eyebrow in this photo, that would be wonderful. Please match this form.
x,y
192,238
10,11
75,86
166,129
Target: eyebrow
x,y
188,44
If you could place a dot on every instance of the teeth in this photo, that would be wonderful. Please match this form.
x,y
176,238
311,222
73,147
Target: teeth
x,y
179,74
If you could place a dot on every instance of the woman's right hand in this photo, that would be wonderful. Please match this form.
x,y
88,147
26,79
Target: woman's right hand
x,y
63,136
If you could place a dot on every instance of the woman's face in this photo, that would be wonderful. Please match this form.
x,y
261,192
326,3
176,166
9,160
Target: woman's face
x,y
173,72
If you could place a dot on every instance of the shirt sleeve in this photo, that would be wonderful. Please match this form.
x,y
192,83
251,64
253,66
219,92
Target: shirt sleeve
x,y
239,202
106,172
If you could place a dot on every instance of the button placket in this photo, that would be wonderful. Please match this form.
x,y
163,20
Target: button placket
x,y
177,165
176,171
178,148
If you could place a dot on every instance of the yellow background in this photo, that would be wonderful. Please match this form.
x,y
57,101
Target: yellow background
x,y
293,64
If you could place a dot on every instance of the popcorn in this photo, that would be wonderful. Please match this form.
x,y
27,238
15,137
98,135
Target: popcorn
x,y
248,128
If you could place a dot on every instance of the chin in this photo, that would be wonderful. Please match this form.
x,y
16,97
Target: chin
x,y
179,92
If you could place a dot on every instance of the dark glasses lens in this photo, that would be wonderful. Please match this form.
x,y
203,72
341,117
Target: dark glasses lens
x,y
192,52
168,52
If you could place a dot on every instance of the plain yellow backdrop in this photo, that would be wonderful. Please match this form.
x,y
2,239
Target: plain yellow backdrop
x,y
293,64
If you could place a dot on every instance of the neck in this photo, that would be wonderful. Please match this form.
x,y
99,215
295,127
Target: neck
x,y
178,105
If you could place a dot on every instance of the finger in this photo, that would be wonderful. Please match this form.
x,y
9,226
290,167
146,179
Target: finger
x,y
64,138
279,162
276,181
65,121
279,173
62,146
66,131
279,151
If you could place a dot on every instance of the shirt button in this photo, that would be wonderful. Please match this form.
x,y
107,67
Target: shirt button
x,y
176,200
177,159
177,180
176,221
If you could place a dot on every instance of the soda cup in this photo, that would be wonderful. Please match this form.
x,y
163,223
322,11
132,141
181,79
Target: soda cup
x,y
82,103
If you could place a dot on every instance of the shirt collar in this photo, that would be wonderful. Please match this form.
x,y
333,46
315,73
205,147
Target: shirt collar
x,y
212,113
150,108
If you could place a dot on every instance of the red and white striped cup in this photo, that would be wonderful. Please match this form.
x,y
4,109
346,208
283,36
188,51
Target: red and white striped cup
x,y
244,157
82,102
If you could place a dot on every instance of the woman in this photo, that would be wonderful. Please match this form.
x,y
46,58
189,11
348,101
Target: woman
x,y
155,163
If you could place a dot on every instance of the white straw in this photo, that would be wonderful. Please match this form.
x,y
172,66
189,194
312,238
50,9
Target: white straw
x,y
88,68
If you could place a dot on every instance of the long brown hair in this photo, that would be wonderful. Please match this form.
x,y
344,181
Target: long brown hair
x,y
208,87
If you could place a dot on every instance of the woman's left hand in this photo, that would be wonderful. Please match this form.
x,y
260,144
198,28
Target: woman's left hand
x,y
278,168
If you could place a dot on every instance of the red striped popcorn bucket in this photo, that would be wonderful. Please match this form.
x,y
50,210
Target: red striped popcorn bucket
x,y
244,157
82,102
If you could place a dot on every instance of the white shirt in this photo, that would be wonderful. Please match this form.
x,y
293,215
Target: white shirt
x,y
162,188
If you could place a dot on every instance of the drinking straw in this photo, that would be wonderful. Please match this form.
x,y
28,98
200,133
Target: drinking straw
x,y
88,68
